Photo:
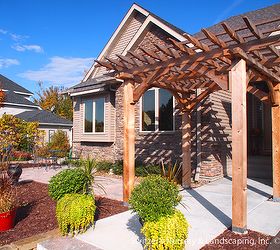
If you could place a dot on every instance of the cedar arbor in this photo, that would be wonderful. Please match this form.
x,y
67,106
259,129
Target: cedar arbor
x,y
228,60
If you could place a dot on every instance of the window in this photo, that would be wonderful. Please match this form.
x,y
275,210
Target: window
x,y
51,132
157,110
94,115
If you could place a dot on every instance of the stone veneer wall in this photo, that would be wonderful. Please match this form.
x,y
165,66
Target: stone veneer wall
x,y
154,147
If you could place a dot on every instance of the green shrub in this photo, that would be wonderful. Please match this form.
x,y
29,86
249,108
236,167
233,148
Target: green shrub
x,y
66,182
73,163
145,170
118,168
89,169
154,197
168,232
172,172
104,166
75,213
140,169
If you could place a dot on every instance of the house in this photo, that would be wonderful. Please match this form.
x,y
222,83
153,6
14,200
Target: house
x,y
17,102
98,107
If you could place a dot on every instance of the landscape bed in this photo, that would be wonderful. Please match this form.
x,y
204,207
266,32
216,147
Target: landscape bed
x,y
229,240
36,212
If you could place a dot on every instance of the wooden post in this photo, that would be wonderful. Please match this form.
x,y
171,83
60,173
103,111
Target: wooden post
x,y
129,140
238,82
198,139
275,113
186,149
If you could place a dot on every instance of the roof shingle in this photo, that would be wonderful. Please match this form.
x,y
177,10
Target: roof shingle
x,y
43,116
7,84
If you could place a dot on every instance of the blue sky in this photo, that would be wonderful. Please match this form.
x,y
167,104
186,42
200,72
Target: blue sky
x,y
55,41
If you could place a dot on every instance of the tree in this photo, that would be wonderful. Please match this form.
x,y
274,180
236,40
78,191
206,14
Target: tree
x,y
60,143
17,133
52,100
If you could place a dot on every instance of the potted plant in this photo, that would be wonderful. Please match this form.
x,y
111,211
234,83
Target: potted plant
x,y
7,203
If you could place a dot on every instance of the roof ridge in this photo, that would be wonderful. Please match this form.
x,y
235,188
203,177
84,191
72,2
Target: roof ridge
x,y
172,26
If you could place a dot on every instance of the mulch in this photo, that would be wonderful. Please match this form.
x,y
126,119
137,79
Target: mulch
x,y
36,212
229,240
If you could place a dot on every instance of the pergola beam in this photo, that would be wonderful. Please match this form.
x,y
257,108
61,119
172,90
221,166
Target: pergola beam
x,y
255,64
202,56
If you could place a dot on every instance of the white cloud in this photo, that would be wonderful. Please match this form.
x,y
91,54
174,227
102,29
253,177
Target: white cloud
x,y
60,71
34,47
17,37
6,62
3,31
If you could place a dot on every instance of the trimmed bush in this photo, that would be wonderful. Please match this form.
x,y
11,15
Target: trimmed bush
x,y
66,182
168,232
75,213
154,198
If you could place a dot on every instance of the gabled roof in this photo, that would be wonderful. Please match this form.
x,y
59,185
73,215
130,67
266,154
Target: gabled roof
x,y
149,18
17,99
7,84
44,117
236,22
97,84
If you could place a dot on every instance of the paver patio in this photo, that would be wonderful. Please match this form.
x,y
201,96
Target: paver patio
x,y
208,212
113,186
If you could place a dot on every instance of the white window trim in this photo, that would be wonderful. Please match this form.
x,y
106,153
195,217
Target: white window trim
x,y
50,130
93,117
157,114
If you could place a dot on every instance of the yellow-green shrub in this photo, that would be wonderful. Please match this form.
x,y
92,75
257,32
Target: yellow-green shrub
x,y
169,232
75,213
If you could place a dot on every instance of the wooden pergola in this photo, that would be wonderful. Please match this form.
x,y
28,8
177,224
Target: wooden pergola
x,y
229,60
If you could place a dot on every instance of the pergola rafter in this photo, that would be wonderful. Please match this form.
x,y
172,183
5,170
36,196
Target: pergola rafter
x,y
229,59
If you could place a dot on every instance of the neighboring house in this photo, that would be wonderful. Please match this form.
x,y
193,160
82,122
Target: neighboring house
x,y
48,122
98,106
17,102
17,98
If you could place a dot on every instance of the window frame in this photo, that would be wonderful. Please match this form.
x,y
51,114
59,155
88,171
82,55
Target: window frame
x,y
93,115
157,114
53,131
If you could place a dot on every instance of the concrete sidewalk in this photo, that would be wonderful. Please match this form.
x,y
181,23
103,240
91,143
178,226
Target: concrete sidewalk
x,y
208,212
